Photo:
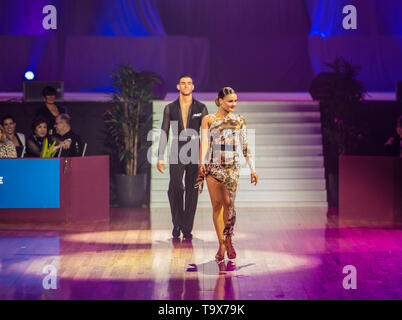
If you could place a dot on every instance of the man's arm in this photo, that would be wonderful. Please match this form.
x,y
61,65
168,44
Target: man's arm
x,y
164,136
204,146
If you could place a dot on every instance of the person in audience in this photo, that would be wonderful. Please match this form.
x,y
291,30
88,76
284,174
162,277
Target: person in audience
x,y
50,110
393,146
7,148
36,140
17,138
68,140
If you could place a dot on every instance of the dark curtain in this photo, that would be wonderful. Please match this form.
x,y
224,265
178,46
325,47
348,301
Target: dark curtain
x,y
90,17
133,18
168,56
26,45
376,44
255,45
280,45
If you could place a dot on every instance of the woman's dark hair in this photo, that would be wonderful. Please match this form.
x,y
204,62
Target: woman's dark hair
x,y
223,93
49,91
37,121
399,121
7,117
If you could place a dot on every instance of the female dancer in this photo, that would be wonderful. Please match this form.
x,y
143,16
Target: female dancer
x,y
221,135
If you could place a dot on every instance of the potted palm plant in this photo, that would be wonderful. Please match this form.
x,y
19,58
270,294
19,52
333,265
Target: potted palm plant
x,y
342,124
128,121
343,128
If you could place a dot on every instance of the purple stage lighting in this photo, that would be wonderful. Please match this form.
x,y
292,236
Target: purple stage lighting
x,y
29,75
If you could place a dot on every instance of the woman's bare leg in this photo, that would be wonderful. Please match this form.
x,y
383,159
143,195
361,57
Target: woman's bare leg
x,y
216,190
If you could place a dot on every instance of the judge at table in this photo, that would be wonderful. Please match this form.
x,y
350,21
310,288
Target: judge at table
x,y
71,142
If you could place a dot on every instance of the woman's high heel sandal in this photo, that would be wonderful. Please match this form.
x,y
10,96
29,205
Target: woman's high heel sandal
x,y
220,254
229,247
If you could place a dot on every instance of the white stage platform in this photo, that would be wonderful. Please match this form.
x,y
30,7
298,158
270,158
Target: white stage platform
x,y
205,96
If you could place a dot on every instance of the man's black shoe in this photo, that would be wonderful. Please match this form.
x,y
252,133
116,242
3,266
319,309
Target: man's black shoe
x,y
187,236
176,232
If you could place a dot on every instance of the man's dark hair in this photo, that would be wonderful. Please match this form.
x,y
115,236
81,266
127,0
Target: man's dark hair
x,y
399,121
186,75
37,121
65,117
7,116
49,91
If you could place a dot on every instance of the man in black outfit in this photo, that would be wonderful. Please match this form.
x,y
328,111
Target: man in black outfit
x,y
71,142
184,115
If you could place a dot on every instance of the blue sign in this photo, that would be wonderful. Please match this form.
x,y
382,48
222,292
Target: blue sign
x,y
29,183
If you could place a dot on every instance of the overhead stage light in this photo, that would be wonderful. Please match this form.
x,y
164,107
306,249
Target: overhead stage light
x,y
29,75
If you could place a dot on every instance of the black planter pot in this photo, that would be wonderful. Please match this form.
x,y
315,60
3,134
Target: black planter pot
x,y
331,164
331,160
131,190
332,190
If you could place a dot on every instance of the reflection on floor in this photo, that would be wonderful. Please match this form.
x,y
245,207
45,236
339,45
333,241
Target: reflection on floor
x,y
282,254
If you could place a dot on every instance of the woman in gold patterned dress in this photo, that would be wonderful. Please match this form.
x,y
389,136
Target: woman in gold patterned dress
x,y
7,148
222,134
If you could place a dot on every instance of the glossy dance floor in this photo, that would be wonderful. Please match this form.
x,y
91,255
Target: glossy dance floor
x,y
282,254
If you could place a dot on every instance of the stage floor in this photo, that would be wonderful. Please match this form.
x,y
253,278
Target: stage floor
x,y
205,96
282,254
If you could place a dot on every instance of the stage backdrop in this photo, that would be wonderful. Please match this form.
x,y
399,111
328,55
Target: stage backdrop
x,y
168,56
376,44
258,45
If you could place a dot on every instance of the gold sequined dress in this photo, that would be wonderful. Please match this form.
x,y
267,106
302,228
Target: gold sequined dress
x,y
226,135
7,150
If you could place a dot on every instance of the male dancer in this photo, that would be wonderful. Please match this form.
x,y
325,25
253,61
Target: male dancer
x,y
185,115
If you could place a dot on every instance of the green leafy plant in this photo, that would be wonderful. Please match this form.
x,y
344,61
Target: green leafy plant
x,y
341,125
126,120
48,151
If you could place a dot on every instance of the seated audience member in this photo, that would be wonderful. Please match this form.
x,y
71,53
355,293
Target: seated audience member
x,y
7,148
39,134
17,138
50,111
69,141
393,145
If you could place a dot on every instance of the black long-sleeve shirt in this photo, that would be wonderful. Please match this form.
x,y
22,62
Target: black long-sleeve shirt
x,y
34,146
76,146
172,115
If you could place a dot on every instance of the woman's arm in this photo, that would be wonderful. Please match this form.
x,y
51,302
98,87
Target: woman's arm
x,y
32,148
204,140
245,146
202,171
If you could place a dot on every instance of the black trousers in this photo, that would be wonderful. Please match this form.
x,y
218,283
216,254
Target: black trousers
x,y
183,214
